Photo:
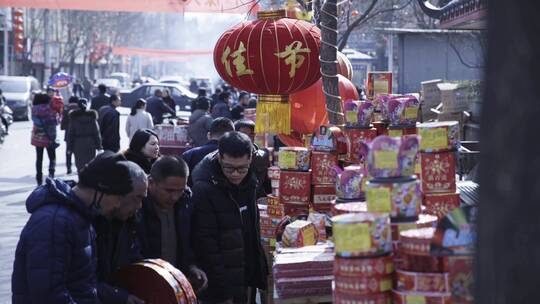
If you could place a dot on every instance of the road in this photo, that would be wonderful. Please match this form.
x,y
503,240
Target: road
x,y
17,180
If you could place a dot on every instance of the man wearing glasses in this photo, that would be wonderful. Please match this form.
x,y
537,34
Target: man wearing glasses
x,y
225,229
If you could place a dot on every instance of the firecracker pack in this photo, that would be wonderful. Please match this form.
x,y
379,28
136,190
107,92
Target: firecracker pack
x,y
438,172
323,168
440,204
422,281
323,194
295,186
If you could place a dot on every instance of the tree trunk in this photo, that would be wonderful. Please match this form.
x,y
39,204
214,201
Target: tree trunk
x,y
328,54
508,247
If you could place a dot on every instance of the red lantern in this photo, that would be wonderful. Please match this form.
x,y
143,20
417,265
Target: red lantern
x,y
309,105
344,66
272,56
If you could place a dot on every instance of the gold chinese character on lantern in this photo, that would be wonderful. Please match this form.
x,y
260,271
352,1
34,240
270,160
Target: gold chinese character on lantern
x,y
239,61
292,57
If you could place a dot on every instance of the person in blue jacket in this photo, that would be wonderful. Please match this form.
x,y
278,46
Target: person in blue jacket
x,y
55,259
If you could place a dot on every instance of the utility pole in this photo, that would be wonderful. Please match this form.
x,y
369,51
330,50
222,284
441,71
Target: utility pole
x,y
46,51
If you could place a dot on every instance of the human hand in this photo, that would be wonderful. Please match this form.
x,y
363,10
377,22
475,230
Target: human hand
x,y
134,300
200,276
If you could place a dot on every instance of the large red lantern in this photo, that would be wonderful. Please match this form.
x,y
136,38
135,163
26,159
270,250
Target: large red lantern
x,y
272,56
309,105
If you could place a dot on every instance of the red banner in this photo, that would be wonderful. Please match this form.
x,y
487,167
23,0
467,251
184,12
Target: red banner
x,y
163,6
131,51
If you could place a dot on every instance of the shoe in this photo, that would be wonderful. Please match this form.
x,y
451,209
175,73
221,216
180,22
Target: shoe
x,y
51,173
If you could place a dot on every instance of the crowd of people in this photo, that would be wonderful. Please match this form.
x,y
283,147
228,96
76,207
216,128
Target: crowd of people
x,y
197,210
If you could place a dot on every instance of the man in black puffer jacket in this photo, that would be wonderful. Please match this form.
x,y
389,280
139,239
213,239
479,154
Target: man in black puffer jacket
x,y
225,229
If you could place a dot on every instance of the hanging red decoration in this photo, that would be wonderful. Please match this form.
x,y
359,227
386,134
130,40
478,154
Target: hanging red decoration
x,y
308,107
272,56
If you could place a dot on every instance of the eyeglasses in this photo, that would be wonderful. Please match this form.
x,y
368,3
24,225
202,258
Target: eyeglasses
x,y
230,170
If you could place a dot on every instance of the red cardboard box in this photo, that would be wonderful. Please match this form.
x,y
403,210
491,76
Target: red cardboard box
x,y
275,211
461,278
295,208
323,194
354,137
397,131
422,282
438,172
439,204
295,186
322,168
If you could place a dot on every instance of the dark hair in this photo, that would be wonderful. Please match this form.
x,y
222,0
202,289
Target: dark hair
x,y
243,94
244,123
235,144
83,104
224,95
73,99
167,166
40,98
113,98
138,105
102,88
109,173
203,103
220,126
218,91
158,92
140,138
202,92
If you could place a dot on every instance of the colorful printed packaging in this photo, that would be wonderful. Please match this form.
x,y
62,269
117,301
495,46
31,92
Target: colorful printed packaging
x,y
362,234
411,297
461,278
294,158
391,157
401,197
299,234
438,136
349,183
403,110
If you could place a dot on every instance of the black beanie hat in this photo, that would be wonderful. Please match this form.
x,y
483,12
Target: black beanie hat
x,y
140,138
108,173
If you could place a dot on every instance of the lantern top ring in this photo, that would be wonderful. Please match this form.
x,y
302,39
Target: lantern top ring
x,y
271,14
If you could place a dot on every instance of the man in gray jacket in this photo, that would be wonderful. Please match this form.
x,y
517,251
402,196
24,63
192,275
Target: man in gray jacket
x,y
199,122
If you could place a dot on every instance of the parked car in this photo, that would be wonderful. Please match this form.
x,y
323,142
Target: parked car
x,y
180,94
124,78
18,93
174,79
113,86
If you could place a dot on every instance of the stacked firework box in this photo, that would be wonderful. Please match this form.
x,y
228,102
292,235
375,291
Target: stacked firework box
x,y
303,272
294,180
363,267
324,161
358,127
438,145
422,278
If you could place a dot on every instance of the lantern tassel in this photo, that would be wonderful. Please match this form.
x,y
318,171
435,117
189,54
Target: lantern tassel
x,y
273,114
